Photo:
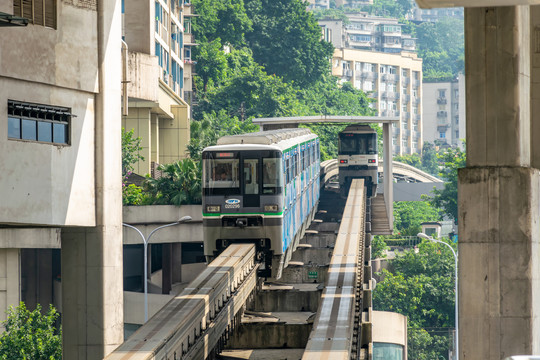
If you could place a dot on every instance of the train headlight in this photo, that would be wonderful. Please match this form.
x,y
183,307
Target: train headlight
x,y
213,208
270,208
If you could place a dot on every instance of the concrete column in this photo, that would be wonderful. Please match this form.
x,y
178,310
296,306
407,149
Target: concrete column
x,y
388,177
139,119
92,293
10,286
499,192
176,262
166,272
174,135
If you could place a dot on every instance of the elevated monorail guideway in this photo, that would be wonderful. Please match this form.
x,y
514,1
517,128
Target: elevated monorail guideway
x,y
194,323
386,121
338,317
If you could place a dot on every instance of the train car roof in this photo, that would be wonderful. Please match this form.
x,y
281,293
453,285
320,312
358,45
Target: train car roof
x,y
358,127
264,137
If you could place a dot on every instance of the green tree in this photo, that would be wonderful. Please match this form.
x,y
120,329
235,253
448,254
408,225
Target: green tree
x,y
213,126
211,62
329,97
131,147
410,159
409,215
429,159
441,45
378,247
223,20
447,198
31,335
421,287
179,184
300,55
249,92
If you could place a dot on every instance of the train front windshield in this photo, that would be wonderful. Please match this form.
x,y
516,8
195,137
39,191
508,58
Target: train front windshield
x,y
245,173
357,144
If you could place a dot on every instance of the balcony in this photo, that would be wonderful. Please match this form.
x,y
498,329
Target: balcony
x,y
441,101
442,114
405,81
143,70
347,72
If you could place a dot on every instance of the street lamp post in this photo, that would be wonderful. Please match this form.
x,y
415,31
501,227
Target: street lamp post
x,y
424,236
145,242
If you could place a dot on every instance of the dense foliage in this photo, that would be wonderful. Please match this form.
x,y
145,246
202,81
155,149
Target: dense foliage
x,y
278,66
421,287
179,184
300,56
409,215
447,198
31,335
131,147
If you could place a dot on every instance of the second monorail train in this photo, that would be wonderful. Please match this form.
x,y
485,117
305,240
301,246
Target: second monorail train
x,y
358,157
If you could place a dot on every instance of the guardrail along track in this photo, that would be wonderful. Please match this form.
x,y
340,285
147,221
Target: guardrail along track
x,y
195,324
335,333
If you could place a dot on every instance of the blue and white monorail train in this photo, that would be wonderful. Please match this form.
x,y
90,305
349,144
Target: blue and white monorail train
x,y
263,188
358,157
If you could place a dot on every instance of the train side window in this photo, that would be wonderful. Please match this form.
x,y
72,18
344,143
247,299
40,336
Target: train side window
x,y
271,175
251,180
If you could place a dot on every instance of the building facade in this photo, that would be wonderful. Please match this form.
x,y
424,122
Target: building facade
x,y
353,3
444,112
159,86
435,14
318,4
60,132
394,83
366,32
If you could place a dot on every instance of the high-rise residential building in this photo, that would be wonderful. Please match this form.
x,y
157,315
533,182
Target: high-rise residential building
x,y
60,115
318,4
353,3
374,56
366,32
159,78
394,82
435,14
444,112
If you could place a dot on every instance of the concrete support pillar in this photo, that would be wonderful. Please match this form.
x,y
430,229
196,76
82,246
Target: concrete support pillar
x,y
499,191
140,120
92,293
174,135
166,272
176,262
388,178
10,286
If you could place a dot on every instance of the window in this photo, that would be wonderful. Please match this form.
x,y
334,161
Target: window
x,y
442,93
35,122
187,53
442,135
38,12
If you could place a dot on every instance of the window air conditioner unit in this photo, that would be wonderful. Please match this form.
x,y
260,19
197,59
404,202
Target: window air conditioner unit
x,y
428,4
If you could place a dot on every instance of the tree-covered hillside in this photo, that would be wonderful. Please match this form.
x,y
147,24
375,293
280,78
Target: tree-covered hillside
x,y
263,58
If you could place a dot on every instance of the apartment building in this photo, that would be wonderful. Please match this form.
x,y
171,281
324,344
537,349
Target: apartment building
x,y
159,86
353,3
318,4
444,112
60,131
394,82
435,14
366,32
